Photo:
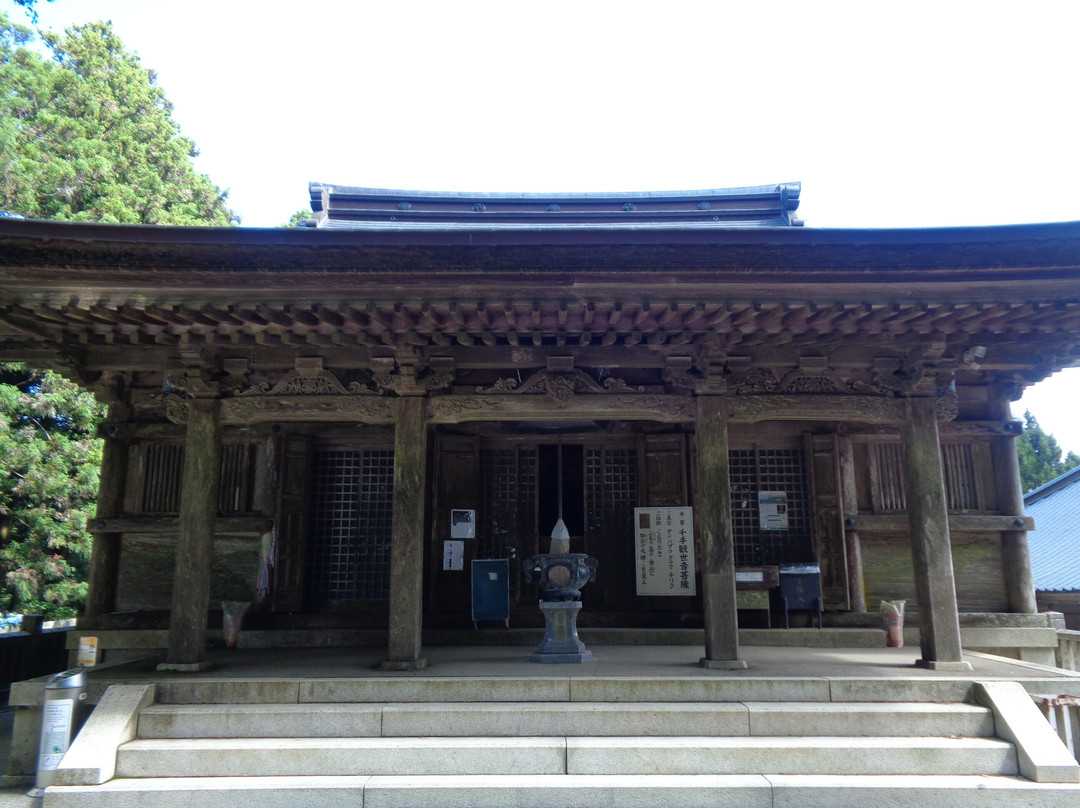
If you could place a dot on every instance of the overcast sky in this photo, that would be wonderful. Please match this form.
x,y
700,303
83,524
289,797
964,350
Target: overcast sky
x,y
915,114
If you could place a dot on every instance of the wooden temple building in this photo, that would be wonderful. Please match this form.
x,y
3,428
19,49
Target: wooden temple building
x,y
295,413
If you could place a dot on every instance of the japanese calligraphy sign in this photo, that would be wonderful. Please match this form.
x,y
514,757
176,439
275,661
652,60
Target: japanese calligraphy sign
x,y
664,548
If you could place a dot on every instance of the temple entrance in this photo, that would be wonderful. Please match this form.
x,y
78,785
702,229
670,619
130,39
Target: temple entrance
x,y
512,483
516,487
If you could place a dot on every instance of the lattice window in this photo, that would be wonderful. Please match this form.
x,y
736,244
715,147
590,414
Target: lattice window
x,y
505,522
162,478
348,550
962,489
164,472
236,489
754,470
611,494
742,464
888,474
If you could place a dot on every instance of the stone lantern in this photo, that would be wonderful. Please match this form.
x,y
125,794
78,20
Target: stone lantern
x,y
560,575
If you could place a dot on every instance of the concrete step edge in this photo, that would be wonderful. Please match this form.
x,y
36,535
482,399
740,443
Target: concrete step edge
x,y
811,742
586,791
541,719
570,689
795,706
556,756
793,755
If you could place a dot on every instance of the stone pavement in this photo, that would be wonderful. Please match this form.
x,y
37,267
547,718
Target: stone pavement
x,y
658,661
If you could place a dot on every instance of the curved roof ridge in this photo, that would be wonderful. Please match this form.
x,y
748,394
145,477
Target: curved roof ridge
x,y
359,208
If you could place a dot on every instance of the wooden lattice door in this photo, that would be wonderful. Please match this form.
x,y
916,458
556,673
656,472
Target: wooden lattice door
x,y
612,491
349,526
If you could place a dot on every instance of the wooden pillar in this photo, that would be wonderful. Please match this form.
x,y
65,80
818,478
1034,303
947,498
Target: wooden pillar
x,y
935,586
105,556
852,547
195,542
407,539
1015,554
713,507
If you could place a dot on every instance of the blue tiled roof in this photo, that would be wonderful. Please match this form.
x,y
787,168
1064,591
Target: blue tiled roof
x,y
1055,542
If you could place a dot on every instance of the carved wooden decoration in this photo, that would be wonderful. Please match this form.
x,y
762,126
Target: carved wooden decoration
x,y
324,408
407,382
641,407
311,382
560,387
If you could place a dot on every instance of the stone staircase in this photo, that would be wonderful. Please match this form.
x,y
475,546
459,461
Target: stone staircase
x,y
555,743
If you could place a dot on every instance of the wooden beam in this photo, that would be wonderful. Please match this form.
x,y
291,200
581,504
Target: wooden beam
x,y
958,523
459,408
859,409
223,525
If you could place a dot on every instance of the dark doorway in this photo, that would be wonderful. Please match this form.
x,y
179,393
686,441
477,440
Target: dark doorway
x,y
573,490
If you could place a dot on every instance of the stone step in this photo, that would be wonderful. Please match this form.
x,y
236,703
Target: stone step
x,y
581,791
623,689
261,757
790,755
510,719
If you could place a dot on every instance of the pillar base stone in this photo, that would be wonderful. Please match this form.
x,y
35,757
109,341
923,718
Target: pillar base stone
x,y
185,667
935,665
403,664
584,656
724,664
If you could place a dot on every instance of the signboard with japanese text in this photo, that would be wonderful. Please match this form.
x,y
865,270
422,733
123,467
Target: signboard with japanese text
x,y
664,548
772,509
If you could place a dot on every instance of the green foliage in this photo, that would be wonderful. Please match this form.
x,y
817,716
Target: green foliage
x,y
301,215
30,7
1040,455
48,483
87,135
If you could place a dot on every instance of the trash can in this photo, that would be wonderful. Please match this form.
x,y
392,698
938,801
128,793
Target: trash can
x,y
65,694
800,588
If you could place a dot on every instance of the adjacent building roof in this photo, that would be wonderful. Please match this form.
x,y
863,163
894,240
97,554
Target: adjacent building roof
x,y
1055,542
350,208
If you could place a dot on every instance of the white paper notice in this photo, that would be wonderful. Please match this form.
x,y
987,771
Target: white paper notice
x,y
664,545
453,555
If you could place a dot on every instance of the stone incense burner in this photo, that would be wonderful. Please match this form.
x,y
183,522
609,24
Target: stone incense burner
x,y
560,575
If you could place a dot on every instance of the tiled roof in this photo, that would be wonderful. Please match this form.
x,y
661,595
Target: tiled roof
x,y
1055,542
374,209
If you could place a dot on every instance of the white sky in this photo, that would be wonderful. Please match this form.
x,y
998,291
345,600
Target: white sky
x,y
891,114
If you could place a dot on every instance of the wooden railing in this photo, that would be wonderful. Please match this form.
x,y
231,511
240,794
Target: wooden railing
x,y
1068,649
